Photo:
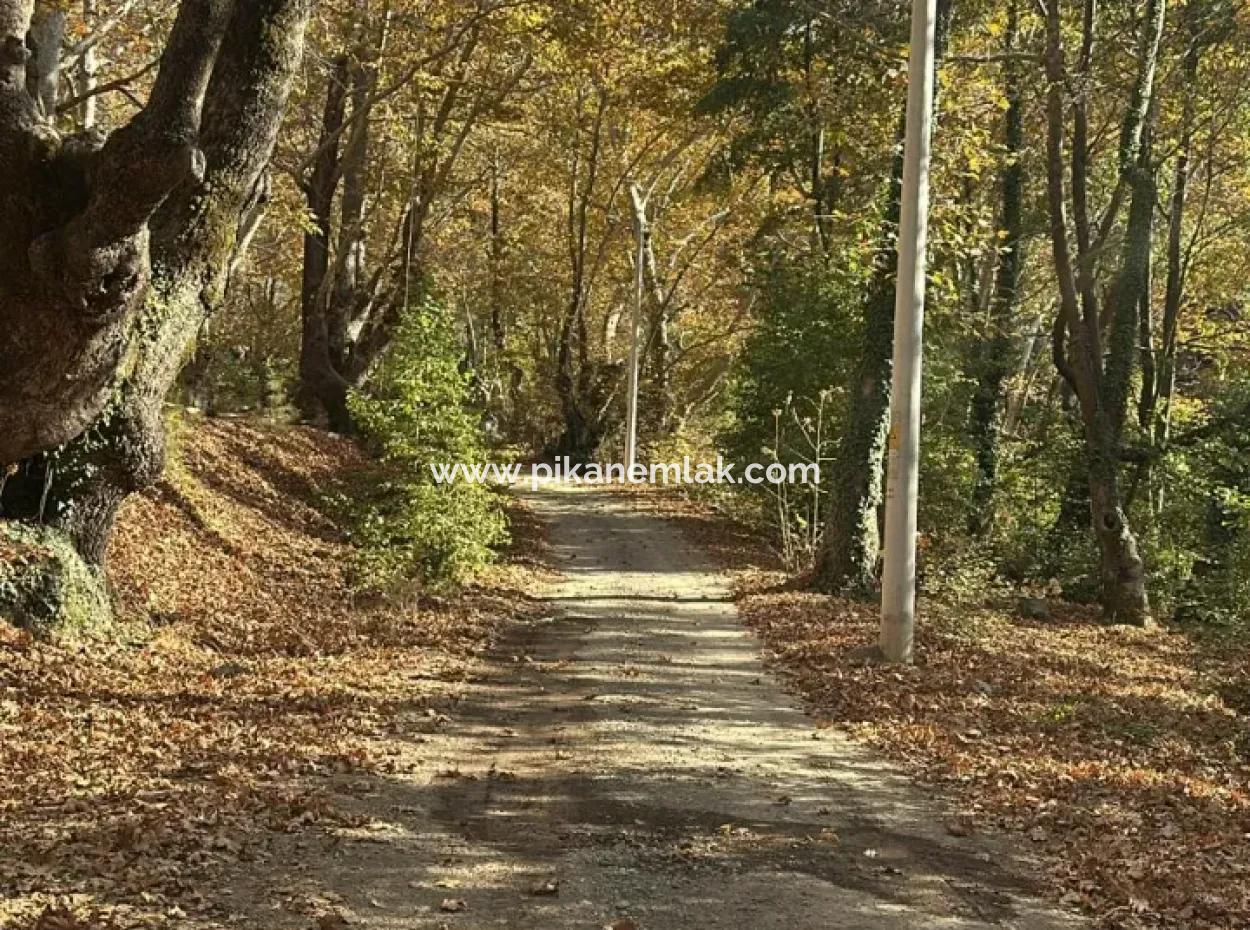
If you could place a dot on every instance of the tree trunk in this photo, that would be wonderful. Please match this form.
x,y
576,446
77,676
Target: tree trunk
x,y
103,315
322,394
1123,574
498,325
86,76
75,257
988,400
43,68
349,268
574,377
1102,384
848,558
1157,413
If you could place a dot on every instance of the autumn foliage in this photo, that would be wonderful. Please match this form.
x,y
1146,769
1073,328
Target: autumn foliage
x,y
139,773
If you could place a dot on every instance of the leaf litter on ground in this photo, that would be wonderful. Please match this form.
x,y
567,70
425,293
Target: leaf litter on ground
x,y
137,773
1121,755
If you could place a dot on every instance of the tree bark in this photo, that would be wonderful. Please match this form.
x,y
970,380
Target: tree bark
x,y
75,257
322,393
988,400
122,271
582,427
848,557
43,70
86,72
847,560
350,270
1101,378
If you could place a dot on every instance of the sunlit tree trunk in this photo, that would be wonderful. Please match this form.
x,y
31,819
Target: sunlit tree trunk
x,y
112,254
86,77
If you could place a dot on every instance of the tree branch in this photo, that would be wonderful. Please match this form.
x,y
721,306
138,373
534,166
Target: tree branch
x,y
98,34
15,16
119,84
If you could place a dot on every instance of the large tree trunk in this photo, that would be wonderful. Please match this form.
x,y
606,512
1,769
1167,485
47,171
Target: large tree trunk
x,y
1123,573
847,560
115,252
75,264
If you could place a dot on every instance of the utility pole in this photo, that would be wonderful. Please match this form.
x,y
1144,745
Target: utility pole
x,y
898,589
635,326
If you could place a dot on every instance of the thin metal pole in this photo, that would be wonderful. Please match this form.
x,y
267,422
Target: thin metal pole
x,y
631,419
898,590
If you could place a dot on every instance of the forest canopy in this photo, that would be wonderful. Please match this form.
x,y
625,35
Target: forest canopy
x,y
243,206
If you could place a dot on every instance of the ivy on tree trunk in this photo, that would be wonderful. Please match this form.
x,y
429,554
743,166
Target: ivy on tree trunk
x,y
852,541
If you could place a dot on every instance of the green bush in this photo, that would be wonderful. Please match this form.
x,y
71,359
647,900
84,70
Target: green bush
x,y
407,527
802,348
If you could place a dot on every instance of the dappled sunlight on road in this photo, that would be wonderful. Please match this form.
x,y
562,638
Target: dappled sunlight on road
x,y
629,757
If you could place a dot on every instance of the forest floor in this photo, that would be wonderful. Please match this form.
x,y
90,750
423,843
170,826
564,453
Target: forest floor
x,y
587,738
138,777
1121,755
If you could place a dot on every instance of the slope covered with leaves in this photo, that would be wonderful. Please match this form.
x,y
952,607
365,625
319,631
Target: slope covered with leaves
x,y
136,772
1121,755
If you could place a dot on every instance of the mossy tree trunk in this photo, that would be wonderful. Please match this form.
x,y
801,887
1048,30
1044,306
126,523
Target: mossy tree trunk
x,y
113,251
847,560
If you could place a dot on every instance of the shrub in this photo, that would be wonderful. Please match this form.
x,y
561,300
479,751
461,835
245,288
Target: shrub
x,y
407,527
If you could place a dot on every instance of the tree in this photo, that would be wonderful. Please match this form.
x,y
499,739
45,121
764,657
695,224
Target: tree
x,y
994,364
113,248
363,267
852,541
1100,370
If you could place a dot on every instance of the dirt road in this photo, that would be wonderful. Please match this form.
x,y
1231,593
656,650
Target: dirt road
x,y
630,762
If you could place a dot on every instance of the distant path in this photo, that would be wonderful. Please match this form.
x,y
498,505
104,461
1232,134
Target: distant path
x,y
634,752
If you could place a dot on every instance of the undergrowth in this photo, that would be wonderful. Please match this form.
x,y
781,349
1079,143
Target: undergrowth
x,y
408,528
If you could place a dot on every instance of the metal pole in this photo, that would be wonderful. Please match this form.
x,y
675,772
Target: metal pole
x,y
631,419
898,590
